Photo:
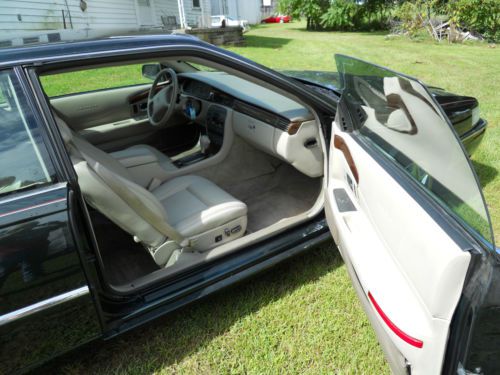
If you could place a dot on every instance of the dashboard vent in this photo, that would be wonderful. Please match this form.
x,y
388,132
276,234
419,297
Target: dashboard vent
x,y
282,124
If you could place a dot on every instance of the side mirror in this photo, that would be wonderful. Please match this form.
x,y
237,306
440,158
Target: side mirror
x,y
151,70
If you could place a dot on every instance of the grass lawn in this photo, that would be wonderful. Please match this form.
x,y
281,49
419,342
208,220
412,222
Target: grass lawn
x,y
303,317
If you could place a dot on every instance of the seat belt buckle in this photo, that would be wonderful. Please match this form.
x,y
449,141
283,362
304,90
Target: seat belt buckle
x,y
154,183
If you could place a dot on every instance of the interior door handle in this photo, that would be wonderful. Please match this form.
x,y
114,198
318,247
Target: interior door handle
x,y
311,143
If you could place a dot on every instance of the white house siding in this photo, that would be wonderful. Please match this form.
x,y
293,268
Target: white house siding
x,y
29,21
251,10
198,17
194,16
33,15
166,8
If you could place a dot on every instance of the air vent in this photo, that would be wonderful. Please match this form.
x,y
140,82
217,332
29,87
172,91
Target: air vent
x,y
282,124
344,124
54,37
31,40
361,115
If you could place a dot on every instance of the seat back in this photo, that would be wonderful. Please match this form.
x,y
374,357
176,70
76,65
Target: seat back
x,y
108,187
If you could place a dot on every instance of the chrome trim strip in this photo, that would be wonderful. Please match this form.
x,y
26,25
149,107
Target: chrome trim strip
x,y
32,207
42,305
43,190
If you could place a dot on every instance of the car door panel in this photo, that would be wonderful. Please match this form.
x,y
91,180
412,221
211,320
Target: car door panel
x,y
46,304
415,274
111,120
409,264
88,109
104,115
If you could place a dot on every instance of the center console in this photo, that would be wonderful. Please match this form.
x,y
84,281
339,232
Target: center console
x,y
215,120
213,128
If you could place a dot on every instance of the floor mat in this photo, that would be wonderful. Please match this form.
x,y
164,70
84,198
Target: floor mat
x,y
124,259
272,197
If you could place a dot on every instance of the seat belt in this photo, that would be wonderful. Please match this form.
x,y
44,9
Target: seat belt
x,y
132,201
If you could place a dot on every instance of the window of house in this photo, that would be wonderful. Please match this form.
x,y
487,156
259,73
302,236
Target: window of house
x,y
24,162
196,3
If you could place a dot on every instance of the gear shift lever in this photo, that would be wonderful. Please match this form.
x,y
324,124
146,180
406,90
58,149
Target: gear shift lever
x,y
204,143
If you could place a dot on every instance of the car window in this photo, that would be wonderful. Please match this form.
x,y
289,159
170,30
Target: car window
x,y
24,162
400,117
93,79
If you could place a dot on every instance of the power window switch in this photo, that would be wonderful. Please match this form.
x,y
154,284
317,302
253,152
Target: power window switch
x,y
218,238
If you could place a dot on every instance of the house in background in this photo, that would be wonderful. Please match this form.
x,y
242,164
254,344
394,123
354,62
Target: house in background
x,y
251,10
25,21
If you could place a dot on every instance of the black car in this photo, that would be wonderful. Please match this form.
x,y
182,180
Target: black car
x,y
139,174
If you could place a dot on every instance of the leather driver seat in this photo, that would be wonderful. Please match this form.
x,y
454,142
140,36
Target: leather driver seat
x,y
144,152
187,213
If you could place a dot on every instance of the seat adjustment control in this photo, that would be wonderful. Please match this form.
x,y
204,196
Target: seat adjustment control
x,y
236,229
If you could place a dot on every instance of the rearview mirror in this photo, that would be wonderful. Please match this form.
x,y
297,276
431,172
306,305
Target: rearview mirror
x,y
151,70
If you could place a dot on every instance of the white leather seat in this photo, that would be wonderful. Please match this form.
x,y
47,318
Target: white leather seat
x,y
141,155
187,213
195,204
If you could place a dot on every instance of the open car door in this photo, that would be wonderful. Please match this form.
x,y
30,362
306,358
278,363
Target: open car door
x,y
407,213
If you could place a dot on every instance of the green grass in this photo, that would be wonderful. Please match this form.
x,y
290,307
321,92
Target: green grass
x,y
96,79
303,317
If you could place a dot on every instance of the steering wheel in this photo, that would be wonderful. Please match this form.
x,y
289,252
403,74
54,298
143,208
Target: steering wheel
x,y
161,99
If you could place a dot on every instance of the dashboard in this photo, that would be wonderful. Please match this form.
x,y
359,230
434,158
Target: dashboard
x,y
265,119
224,88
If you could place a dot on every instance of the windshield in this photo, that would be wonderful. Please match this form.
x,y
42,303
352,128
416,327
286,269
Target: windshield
x,y
401,118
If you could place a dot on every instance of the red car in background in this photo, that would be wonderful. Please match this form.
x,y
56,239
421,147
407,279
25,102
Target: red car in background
x,y
277,18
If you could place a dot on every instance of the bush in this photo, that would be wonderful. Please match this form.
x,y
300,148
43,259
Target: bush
x,y
347,15
411,17
482,16
343,15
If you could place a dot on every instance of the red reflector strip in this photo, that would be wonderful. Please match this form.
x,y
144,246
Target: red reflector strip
x,y
403,336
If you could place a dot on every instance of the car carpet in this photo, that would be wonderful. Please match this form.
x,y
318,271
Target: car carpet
x,y
271,189
124,259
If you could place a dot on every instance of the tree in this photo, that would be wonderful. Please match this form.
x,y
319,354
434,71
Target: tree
x,y
312,10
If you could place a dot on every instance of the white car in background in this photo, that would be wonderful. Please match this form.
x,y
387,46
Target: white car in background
x,y
223,21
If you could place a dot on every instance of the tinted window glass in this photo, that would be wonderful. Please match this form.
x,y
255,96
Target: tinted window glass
x,y
23,157
401,118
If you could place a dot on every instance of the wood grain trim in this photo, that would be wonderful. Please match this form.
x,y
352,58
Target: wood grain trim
x,y
339,143
294,127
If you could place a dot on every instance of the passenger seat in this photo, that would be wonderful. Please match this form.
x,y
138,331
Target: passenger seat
x,y
187,213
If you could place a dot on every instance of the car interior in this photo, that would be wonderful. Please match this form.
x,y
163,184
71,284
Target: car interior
x,y
191,163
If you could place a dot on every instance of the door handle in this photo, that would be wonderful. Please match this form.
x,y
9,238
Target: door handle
x,y
311,143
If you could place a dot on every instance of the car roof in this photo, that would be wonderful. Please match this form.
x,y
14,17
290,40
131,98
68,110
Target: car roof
x,y
70,50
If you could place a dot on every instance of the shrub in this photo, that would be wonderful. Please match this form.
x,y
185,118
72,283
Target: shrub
x,y
343,15
482,16
348,15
